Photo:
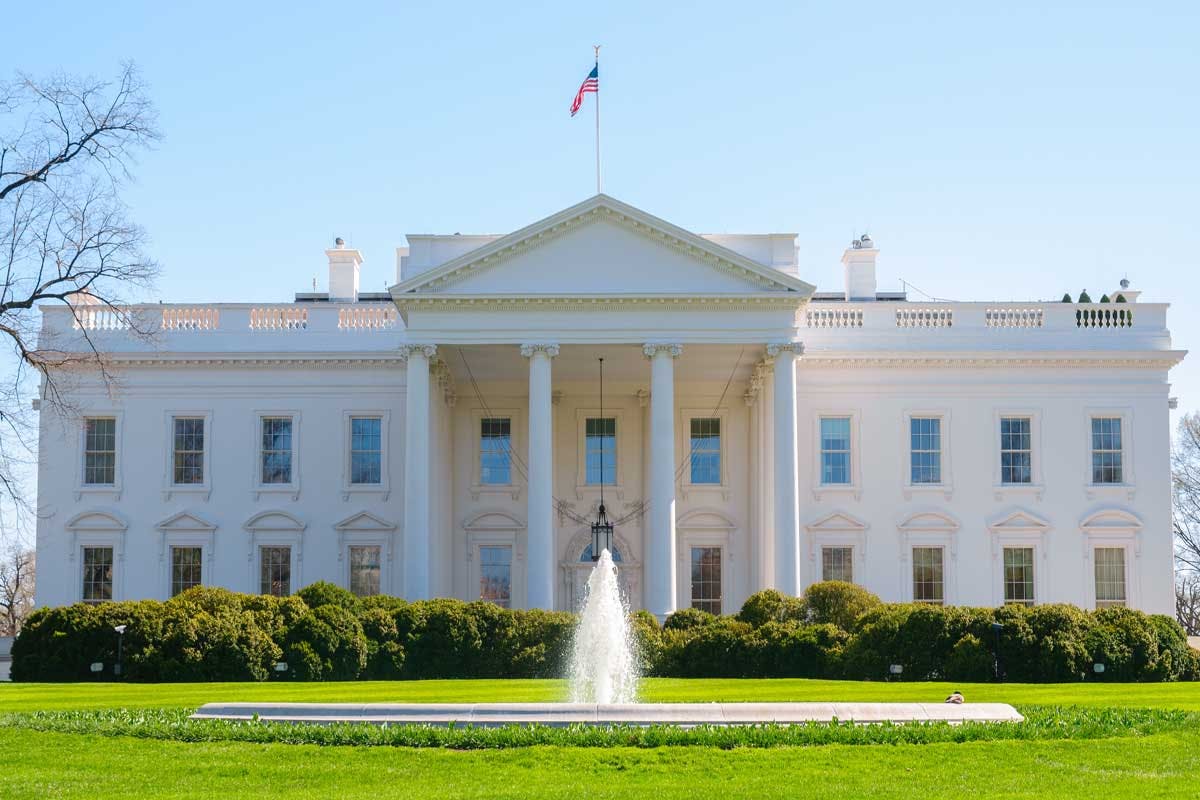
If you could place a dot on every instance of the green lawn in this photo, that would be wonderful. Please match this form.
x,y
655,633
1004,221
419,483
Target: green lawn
x,y
38,765
50,696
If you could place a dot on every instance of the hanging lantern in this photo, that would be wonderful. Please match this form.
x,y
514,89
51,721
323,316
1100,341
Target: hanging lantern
x,y
602,533
602,528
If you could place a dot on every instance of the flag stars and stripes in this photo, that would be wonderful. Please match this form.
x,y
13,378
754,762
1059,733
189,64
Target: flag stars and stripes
x,y
590,84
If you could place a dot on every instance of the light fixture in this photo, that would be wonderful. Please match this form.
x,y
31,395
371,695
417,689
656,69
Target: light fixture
x,y
602,528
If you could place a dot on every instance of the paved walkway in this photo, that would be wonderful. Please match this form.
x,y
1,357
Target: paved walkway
x,y
561,714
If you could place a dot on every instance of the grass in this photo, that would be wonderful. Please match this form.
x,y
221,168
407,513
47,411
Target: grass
x,y
1110,754
80,696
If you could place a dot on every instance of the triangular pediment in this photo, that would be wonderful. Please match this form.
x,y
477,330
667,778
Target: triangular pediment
x,y
364,521
185,521
837,522
602,247
925,521
1019,521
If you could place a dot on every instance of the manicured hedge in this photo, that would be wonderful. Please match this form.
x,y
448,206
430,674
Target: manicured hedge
x,y
839,630
836,630
322,633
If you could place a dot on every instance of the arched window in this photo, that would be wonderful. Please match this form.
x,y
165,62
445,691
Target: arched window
x,y
586,555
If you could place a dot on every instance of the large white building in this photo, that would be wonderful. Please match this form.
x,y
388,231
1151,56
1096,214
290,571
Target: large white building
x,y
446,438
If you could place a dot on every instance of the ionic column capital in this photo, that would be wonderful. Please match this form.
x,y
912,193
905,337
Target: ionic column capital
x,y
409,350
775,348
654,348
550,349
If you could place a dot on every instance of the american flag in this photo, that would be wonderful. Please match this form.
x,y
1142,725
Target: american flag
x,y
590,84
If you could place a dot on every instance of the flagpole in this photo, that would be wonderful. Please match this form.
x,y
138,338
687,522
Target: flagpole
x,y
596,47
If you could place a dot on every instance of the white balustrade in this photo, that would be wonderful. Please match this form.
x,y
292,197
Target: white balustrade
x,y
101,318
279,318
834,317
1033,317
367,318
191,318
1104,315
924,317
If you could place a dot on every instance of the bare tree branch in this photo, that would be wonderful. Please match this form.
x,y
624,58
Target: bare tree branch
x,y
18,572
67,146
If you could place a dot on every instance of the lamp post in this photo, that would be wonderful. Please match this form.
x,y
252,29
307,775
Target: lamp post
x,y
120,629
602,528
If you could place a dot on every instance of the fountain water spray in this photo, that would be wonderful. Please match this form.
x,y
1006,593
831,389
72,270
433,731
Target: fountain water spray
x,y
604,664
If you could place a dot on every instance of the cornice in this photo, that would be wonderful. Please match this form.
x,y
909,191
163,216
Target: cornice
x,y
307,360
1144,359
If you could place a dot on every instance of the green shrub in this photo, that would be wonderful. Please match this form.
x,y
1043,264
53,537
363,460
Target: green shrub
x,y
688,618
838,603
969,660
324,593
385,653
770,605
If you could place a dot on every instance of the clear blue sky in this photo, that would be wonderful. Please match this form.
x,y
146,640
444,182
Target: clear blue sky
x,y
1011,152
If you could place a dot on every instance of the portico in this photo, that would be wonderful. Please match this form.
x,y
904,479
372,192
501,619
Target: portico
x,y
519,323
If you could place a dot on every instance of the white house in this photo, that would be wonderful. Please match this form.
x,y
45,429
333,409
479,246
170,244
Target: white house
x,y
446,438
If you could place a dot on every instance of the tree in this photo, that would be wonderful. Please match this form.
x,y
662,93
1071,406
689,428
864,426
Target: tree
x,y
1185,476
66,148
18,571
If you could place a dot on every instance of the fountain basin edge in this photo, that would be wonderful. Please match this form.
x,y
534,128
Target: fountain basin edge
x,y
595,714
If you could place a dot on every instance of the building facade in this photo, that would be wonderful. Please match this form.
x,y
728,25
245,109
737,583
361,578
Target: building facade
x,y
446,438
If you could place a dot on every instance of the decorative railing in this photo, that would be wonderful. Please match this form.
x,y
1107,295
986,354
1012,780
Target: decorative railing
x,y
101,318
367,318
1105,315
193,318
1014,317
924,317
279,318
834,318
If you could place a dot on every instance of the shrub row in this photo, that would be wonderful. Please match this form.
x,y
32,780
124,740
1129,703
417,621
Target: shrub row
x,y
839,630
836,630
322,633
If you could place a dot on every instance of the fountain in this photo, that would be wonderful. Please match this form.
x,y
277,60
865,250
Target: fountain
x,y
604,666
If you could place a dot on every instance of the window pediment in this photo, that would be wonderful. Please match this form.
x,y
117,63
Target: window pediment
x,y
274,521
185,521
1019,521
837,522
705,519
364,521
1111,520
103,521
929,522
493,521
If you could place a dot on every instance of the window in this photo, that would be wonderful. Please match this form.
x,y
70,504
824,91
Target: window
x,y
837,564
1110,576
366,450
835,450
276,455
185,569
929,581
97,574
1016,450
600,448
586,555
275,570
706,450
495,451
1018,575
189,450
706,579
100,451
1106,450
925,450
364,570
495,574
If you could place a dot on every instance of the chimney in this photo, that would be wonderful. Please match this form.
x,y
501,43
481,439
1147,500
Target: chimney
x,y
343,271
859,261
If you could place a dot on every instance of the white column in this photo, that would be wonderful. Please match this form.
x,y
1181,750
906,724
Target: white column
x,y
660,520
416,471
540,527
787,492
